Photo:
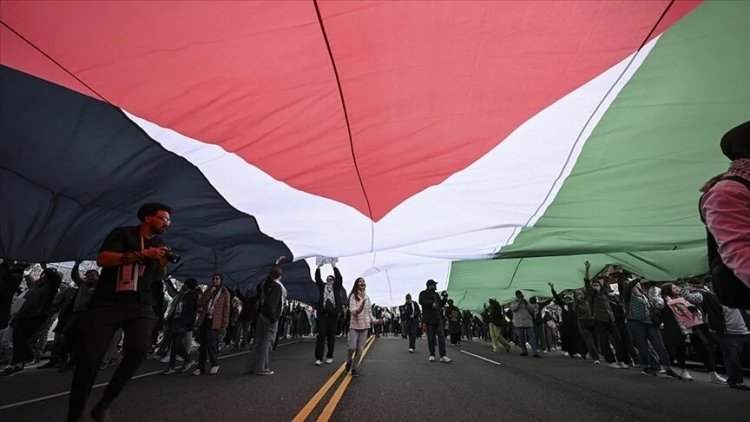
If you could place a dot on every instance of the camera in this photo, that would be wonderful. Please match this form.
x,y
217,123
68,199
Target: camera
x,y
172,257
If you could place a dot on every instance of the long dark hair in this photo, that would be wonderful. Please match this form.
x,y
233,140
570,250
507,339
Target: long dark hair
x,y
355,289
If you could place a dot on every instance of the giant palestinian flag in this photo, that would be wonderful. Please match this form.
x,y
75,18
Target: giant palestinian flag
x,y
491,146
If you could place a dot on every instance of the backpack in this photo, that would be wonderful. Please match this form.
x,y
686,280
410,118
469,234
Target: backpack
x,y
730,290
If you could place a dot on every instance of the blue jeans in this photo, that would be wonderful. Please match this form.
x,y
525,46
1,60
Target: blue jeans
x,y
432,331
526,334
643,334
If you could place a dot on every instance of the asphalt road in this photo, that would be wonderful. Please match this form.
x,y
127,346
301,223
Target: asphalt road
x,y
394,385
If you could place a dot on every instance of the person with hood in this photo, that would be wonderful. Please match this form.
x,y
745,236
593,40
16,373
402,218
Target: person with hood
x,y
725,209
329,308
213,319
498,324
571,341
30,317
181,321
454,323
271,300
432,305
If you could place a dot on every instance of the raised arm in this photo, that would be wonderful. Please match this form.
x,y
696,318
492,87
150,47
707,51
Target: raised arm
x,y
171,289
339,280
75,275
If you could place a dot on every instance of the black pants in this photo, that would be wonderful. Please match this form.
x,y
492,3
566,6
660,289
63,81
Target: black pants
x,y
97,328
326,334
436,330
606,331
209,340
24,338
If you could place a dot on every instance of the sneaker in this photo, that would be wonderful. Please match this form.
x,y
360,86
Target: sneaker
x,y
348,366
432,358
717,379
671,373
9,371
614,365
623,365
546,351
648,371
685,375
446,359
165,359
186,366
355,373
577,356
264,373
197,372
180,359
661,372
214,370
494,350
318,362
329,360
168,371
596,362
411,350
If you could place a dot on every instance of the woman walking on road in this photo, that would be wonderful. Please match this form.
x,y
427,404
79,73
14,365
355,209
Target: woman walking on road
x,y
361,321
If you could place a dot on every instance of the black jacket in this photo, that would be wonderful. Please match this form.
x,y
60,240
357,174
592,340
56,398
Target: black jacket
x,y
189,311
270,300
427,298
338,285
410,313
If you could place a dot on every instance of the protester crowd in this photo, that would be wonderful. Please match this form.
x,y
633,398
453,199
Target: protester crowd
x,y
130,309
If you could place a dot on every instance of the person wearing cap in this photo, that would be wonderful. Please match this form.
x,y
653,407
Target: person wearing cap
x,y
432,305
725,209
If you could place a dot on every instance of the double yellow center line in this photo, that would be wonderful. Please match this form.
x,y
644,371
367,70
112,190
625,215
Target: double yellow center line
x,y
327,412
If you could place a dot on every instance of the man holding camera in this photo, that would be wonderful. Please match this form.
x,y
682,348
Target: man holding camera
x,y
432,316
131,259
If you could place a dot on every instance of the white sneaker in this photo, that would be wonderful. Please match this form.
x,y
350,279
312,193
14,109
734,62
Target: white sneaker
x,y
614,365
411,350
214,370
197,372
717,379
168,371
578,356
596,362
686,375
446,359
318,362
623,365
180,359
165,359
432,358
329,360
